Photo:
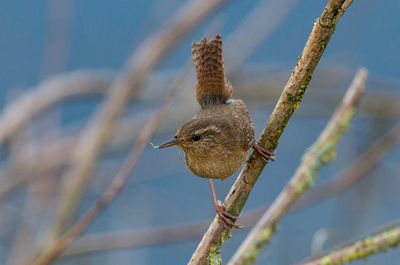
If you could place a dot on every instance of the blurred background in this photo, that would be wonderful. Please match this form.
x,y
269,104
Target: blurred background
x,y
57,60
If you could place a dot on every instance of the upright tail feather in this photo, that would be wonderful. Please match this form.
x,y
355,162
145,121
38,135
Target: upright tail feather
x,y
211,84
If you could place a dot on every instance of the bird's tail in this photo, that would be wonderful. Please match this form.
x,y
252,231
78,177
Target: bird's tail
x,y
211,84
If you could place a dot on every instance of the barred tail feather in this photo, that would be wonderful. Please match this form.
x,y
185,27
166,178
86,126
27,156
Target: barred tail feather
x,y
211,84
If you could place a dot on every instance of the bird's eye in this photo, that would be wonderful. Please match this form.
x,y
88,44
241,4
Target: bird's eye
x,y
196,137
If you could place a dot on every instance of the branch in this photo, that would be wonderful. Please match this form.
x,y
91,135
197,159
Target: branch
x,y
377,242
354,172
59,245
125,86
289,101
320,153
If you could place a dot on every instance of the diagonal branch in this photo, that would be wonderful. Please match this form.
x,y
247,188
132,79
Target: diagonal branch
x,y
289,101
379,241
321,152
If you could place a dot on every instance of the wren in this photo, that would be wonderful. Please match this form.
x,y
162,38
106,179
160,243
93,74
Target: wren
x,y
216,141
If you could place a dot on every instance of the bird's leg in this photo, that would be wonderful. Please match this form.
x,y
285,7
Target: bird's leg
x,y
265,155
225,217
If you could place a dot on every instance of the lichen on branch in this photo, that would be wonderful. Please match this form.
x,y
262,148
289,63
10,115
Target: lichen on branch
x,y
287,104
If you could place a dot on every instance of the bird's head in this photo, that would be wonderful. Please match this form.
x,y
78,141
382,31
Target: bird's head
x,y
202,136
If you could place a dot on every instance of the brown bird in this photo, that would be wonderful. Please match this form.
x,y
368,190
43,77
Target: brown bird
x,y
216,141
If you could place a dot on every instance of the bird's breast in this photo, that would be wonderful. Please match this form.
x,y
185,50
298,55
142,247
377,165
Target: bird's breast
x,y
219,166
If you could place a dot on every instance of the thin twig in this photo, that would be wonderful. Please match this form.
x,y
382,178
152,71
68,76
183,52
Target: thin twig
x,y
61,87
354,172
125,86
322,152
59,245
376,242
289,101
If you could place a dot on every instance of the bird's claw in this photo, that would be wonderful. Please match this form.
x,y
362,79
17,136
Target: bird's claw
x,y
264,154
227,218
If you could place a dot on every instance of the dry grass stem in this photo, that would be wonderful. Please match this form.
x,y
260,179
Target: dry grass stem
x,y
290,100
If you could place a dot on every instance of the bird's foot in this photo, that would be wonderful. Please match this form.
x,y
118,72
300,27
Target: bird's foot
x,y
265,155
226,218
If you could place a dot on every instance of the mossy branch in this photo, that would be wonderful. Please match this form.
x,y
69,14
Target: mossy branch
x,y
321,152
289,101
377,242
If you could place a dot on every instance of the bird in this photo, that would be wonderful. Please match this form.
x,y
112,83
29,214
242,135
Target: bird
x,y
218,139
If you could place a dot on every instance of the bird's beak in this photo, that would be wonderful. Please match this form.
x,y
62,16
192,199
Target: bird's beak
x,y
169,143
